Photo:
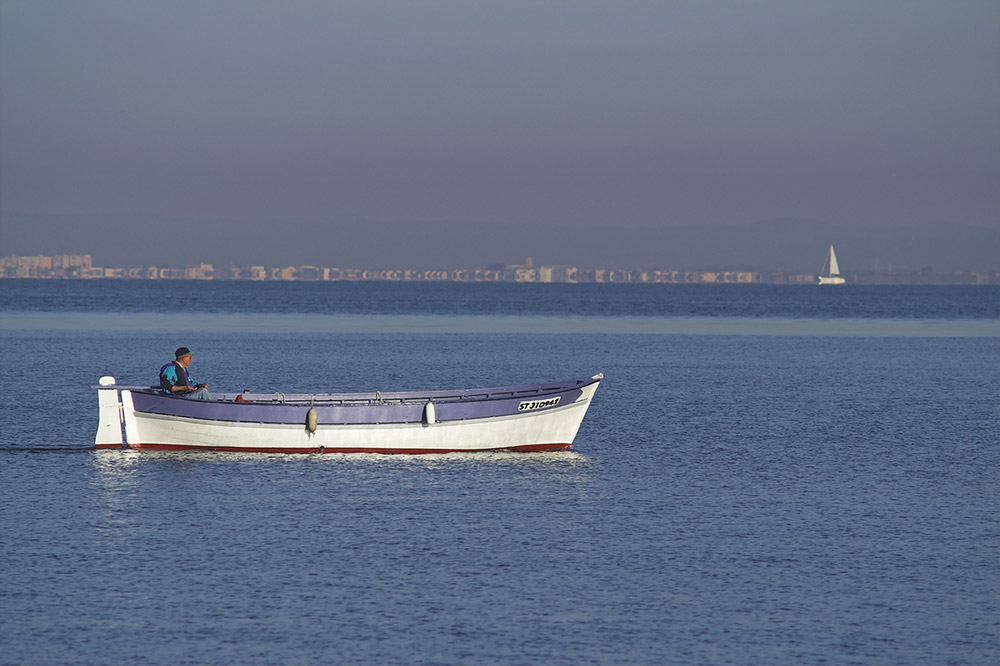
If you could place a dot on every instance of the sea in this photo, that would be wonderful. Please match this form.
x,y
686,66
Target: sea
x,y
768,474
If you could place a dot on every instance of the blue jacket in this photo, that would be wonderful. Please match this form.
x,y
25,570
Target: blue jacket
x,y
173,374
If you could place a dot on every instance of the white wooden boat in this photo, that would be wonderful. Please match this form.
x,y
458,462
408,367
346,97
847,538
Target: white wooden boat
x,y
538,417
830,274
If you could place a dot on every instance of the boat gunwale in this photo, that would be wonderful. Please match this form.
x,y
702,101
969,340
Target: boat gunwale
x,y
369,399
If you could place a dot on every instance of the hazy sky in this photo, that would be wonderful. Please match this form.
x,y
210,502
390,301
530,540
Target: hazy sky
x,y
440,134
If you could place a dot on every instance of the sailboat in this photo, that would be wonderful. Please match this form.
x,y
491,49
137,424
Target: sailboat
x,y
831,271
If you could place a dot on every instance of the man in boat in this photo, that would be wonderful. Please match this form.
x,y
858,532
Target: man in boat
x,y
176,380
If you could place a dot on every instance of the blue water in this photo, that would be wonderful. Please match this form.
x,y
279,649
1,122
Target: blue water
x,y
768,474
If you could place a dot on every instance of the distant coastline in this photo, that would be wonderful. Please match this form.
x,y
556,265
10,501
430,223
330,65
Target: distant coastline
x,y
81,267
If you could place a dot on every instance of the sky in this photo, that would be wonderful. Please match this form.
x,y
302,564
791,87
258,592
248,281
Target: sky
x,y
441,134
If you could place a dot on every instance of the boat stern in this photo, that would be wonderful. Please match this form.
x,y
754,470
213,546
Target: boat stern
x,y
109,426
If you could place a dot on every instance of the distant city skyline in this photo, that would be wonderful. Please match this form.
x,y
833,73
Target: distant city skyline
x,y
433,246
696,136
82,266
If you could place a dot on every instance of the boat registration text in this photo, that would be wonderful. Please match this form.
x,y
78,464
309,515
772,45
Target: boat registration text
x,y
529,405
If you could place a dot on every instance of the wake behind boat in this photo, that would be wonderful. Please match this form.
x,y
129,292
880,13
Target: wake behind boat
x,y
537,417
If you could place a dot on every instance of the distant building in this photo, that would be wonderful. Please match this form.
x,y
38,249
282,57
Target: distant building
x,y
311,273
92,273
199,272
71,261
520,274
557,274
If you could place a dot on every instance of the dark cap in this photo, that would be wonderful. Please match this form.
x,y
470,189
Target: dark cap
x,y
181,351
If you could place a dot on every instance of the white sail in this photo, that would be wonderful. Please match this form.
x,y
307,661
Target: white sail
x,y
834,268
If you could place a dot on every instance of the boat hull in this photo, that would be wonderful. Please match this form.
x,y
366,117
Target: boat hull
x,y
544,417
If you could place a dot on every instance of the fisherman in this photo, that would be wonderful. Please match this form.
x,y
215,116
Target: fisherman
x,y
175,379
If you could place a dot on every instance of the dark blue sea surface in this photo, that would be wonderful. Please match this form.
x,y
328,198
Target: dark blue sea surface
x,y
775,475
459,298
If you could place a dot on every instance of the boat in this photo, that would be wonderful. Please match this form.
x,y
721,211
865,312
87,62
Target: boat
x,y
831,270
537,417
